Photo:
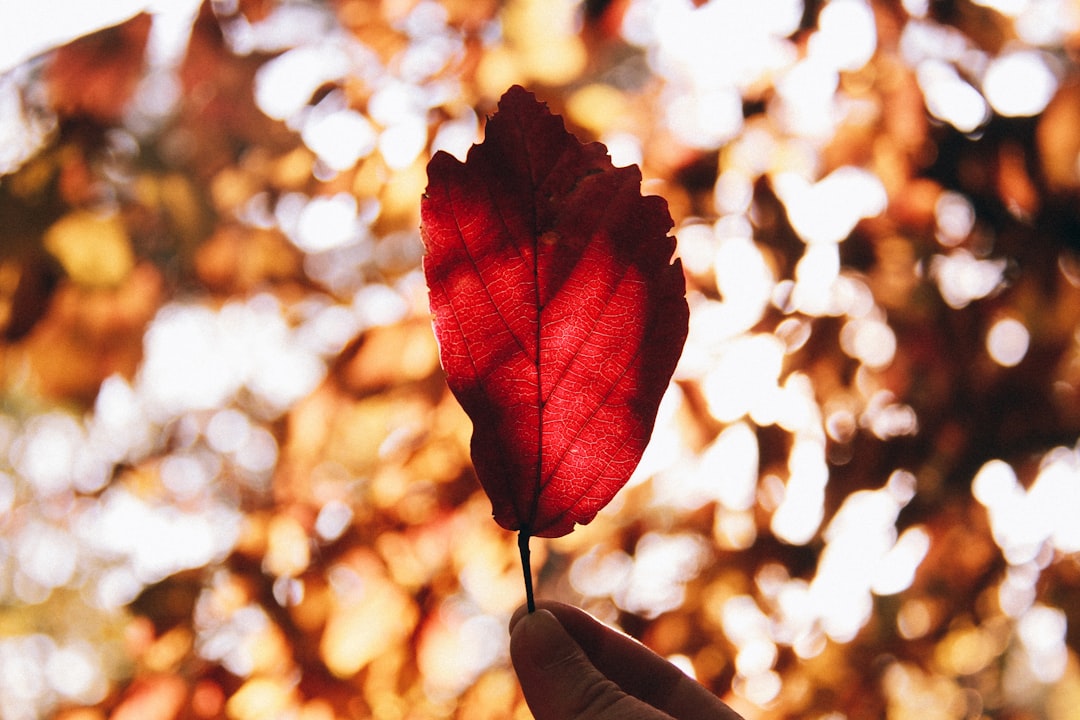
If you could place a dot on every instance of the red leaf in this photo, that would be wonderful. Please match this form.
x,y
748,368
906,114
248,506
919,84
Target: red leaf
x,y
559,313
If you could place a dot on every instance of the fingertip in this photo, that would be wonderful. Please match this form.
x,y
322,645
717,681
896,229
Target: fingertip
x,y
554,608
516,617
539,640
534,623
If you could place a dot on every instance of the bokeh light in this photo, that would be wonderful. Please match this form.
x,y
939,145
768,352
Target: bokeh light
x,y
1019,84
1007,342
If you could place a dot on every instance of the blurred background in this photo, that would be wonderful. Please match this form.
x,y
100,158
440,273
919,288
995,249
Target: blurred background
x,y
234,485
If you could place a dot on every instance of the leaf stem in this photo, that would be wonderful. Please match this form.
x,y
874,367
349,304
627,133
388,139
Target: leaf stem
x,y
526,568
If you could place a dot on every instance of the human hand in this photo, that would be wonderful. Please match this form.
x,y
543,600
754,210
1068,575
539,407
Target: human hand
x,y
572,667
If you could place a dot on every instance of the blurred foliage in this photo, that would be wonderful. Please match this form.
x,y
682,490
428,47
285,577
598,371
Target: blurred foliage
x,y
234,485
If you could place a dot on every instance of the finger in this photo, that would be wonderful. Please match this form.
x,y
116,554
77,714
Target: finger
x,y
635,668
558,680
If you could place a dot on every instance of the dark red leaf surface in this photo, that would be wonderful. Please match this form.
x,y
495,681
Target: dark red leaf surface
x,y
559,312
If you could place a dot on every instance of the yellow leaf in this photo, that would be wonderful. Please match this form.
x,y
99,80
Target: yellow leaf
x,y
371,616
259,698
93,249
596,107
288,548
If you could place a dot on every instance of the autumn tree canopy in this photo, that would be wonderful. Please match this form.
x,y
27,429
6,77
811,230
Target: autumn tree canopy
x,y
234,482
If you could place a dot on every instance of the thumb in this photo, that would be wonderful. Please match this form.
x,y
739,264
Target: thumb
x,y
558,679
